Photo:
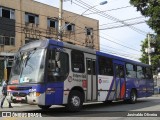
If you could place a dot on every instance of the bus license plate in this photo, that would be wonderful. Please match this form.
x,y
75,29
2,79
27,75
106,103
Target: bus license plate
x,y
18,98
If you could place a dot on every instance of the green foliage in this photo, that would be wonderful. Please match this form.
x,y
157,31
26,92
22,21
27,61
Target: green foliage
x,y
155,57
151,9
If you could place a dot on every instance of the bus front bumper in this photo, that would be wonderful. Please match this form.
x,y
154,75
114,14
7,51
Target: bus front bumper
x,y
29,99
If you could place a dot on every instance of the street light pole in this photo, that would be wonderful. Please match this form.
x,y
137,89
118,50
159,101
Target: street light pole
x,y
60,20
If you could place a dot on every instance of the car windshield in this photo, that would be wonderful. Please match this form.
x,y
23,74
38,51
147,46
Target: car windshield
x,y
28,67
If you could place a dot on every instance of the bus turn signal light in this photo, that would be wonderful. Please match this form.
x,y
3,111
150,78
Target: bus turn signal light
x,y
38,94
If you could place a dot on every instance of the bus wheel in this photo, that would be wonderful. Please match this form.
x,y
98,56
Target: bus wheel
x,y
133,97
75,101
44,107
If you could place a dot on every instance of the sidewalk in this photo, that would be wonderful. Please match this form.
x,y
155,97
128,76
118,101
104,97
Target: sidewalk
x,y
5,104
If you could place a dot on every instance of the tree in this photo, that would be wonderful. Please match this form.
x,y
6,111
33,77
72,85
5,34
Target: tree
x,y
155,56
151,9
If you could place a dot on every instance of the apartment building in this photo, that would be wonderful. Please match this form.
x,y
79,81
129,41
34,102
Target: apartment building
x,y
23,21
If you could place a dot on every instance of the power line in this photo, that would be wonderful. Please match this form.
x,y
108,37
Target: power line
x,y
122,54
124,20
119,26
38,28
113,27
117,43
76,33
108,10
46,36
110,17
104,47
102,11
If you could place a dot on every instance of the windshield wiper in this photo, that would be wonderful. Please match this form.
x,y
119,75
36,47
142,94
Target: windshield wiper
x,y
29,54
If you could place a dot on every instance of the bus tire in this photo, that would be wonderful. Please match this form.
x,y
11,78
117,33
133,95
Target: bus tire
x,y
75,101
44,107
133,97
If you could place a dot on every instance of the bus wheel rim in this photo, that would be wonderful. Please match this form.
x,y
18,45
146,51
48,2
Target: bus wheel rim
x,y
76,101
133,97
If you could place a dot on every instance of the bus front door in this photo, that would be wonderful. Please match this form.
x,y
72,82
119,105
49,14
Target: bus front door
x,y
91,80
119,75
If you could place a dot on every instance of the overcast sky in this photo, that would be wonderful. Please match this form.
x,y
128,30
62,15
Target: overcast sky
x,y
124,41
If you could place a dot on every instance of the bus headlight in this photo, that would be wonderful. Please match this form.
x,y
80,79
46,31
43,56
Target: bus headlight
x,y
34,94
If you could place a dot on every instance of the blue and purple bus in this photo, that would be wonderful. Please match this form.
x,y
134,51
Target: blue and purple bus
x,y
50,72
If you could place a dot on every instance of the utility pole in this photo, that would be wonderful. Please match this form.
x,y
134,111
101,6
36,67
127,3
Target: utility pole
x,y
60,20
149,49
21,21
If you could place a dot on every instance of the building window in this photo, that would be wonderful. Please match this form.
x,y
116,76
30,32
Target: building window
x,y
89,31
7,13
52,23
31,18
105,66
77,58
5,40
70,27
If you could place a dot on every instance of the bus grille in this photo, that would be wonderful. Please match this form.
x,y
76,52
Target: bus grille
x,y
16,94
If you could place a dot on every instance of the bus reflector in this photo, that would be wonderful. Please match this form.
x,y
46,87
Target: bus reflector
x,y
84,83
38,94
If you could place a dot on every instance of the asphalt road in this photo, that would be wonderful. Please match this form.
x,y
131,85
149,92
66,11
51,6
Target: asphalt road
x,y
145,108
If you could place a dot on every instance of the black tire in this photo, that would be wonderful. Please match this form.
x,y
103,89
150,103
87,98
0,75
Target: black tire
x,y
133,97
75,101
44,107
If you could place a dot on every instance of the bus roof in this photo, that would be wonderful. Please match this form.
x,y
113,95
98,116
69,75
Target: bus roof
x,y
121,59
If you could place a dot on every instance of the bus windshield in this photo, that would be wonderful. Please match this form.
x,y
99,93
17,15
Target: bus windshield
x,y
28,67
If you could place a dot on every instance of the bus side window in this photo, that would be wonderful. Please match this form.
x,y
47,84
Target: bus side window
x,y
121,69
140,73
148,73
105,66
77,59
130,70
